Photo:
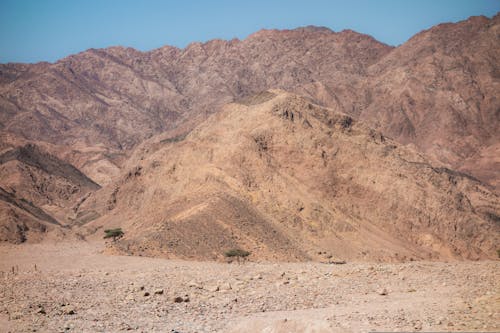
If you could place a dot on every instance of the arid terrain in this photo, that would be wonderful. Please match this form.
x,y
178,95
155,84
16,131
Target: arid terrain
x,y
362,179
75,288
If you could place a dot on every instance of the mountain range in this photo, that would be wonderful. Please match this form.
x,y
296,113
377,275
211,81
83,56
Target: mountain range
x,y
293,144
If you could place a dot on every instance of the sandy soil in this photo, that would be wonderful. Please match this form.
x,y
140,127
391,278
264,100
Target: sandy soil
x,y
76,288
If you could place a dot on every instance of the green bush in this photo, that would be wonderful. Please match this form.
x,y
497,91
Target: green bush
x,y
113,233
237,253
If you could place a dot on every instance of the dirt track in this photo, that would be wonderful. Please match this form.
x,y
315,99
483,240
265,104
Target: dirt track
x,y
104,293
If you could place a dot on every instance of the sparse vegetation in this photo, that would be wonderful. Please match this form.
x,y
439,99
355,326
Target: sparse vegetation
x,y
498,253
116,233
236,253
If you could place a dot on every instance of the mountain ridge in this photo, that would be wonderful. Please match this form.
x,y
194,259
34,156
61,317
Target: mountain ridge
x,y
100,110
317,180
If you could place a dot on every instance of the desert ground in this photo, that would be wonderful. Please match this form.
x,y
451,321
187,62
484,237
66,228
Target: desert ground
x,y
75,287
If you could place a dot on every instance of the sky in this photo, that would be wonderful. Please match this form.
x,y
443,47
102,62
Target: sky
x,y
48,30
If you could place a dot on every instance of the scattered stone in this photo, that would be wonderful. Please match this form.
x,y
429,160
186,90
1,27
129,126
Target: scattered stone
x,y
213,288
158,292
194,284
180,299
40,310
68,310
382,292
225,286
16,316
146,294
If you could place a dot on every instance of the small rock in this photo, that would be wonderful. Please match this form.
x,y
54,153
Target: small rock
x,y
16,316
194,284
225,286
40,310
68,310
178,299
146,294
382,292
213,288
158,292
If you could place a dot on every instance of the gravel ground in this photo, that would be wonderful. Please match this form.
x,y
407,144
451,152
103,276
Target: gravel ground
x,y
75,288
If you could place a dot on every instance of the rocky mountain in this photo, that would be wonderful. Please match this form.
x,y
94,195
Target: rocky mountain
x,y
287,179
37,188
102,115
437,91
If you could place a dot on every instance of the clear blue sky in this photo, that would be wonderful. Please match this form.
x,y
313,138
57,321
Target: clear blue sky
x,y
47,30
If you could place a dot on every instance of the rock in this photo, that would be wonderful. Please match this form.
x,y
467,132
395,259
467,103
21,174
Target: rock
x,y
212,288
180,299
16,316
158,292
68,310
146,294
40,310
382,292
194,284
225,286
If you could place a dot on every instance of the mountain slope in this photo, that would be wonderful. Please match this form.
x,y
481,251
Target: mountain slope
x,y
438,90
37,192
121,96
286,179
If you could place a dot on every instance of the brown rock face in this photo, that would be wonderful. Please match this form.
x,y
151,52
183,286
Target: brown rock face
x,y
287,179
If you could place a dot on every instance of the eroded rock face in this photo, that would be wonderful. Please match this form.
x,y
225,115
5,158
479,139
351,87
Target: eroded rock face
x,y
286,179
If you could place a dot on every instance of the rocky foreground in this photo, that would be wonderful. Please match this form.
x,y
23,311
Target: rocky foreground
x,y
73,287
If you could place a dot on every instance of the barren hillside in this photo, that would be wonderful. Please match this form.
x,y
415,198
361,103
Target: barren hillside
x,y
438,90
290,180
99,117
